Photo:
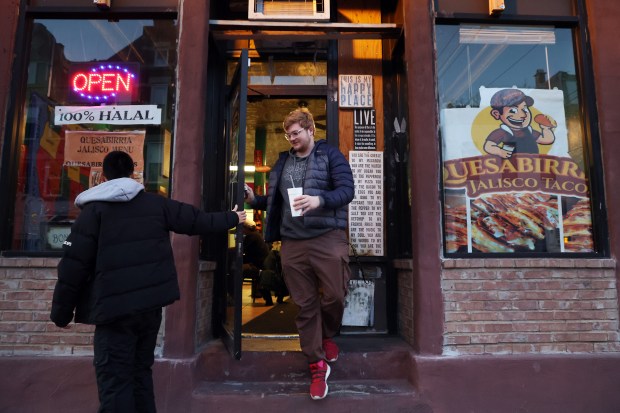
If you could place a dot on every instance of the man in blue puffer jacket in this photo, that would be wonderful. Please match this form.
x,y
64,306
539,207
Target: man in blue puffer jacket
x,y
118,271
315,252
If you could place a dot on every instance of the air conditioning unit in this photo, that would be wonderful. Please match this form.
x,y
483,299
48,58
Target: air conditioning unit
x,y
294,10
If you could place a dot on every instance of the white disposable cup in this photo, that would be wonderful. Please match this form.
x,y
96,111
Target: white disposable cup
x,y
292,194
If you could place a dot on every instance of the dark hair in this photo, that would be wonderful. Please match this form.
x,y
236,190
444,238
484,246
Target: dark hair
x,y
117,164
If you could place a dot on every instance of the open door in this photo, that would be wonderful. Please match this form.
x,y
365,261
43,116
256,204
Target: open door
x,y
235,137
254,138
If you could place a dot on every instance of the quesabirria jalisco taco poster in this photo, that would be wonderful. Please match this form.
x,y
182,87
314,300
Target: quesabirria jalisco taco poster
x,y
512,182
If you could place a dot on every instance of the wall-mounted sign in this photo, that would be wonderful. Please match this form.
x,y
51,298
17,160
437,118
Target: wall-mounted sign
x,y
366,209
112,115
103,82
88,148
355,91
364,129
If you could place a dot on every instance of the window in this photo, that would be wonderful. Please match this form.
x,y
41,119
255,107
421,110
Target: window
x,y
513,144
93,86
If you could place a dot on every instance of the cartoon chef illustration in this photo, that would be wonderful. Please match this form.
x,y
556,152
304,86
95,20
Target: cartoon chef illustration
x,y
515,135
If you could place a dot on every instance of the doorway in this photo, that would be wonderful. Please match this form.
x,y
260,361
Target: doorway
x,y
270,88
264,141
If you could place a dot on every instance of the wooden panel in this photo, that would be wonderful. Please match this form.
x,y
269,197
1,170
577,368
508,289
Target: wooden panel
x,y
286,90
360,57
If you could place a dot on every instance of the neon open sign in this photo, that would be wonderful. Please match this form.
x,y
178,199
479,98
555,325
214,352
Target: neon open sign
x,y
104,82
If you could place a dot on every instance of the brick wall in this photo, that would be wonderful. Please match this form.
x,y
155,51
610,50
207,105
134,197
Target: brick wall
x,y
514,306
26,289
492,306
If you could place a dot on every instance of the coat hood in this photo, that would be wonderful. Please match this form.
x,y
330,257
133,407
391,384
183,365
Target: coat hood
x,y
115,190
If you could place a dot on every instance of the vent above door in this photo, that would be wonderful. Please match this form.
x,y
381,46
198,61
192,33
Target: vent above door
x,y
310,10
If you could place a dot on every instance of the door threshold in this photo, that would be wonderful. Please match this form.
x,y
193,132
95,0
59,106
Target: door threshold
x,y
271,336
266,343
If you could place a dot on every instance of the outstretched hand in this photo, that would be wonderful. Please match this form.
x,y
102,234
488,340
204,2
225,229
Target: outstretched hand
x,y
240,214
248,194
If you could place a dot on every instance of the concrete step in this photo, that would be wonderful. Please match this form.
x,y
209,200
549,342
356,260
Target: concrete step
x,y
372,374
358,396
380,358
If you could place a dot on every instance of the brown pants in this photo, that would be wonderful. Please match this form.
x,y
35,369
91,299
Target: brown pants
x,y
316,272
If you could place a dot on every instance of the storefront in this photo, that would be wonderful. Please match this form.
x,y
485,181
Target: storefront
x,y
481,139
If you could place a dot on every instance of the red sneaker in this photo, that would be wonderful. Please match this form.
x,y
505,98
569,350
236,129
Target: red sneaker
x,y
320,372
331,349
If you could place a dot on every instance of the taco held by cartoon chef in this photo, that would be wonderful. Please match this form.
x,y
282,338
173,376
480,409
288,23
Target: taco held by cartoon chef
x,y
515,135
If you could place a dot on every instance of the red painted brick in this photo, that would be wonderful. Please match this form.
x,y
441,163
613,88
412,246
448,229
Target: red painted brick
x,y
528,327
33,305
15,316
45,339
605,347
498,349
525,305
525,348
31,327
8,305
16,338
19,295
581,347
497,327
511,275
593,336
75,339
457,317
553,348
458,340
511,316
484,339
7,328
497,306
539,315
31,284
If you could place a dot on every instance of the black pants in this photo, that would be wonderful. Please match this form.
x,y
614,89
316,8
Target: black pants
x,y
124,355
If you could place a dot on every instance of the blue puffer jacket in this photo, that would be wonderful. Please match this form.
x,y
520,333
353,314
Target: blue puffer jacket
x,y
328,175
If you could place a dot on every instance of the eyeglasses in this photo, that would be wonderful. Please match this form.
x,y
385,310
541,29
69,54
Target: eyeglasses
x,y
293,134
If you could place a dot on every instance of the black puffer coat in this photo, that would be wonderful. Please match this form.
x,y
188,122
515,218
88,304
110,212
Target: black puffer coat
x,y
118,258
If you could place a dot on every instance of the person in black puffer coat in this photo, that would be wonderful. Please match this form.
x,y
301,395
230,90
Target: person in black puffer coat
x,y
117,272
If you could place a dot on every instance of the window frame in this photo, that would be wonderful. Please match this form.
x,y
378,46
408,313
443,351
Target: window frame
x,y
589,118
15,121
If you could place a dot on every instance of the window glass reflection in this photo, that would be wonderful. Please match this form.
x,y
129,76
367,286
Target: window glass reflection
x,y
512,142
273,72
93,86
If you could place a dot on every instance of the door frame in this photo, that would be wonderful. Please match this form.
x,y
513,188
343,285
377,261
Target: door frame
x,y
235,130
